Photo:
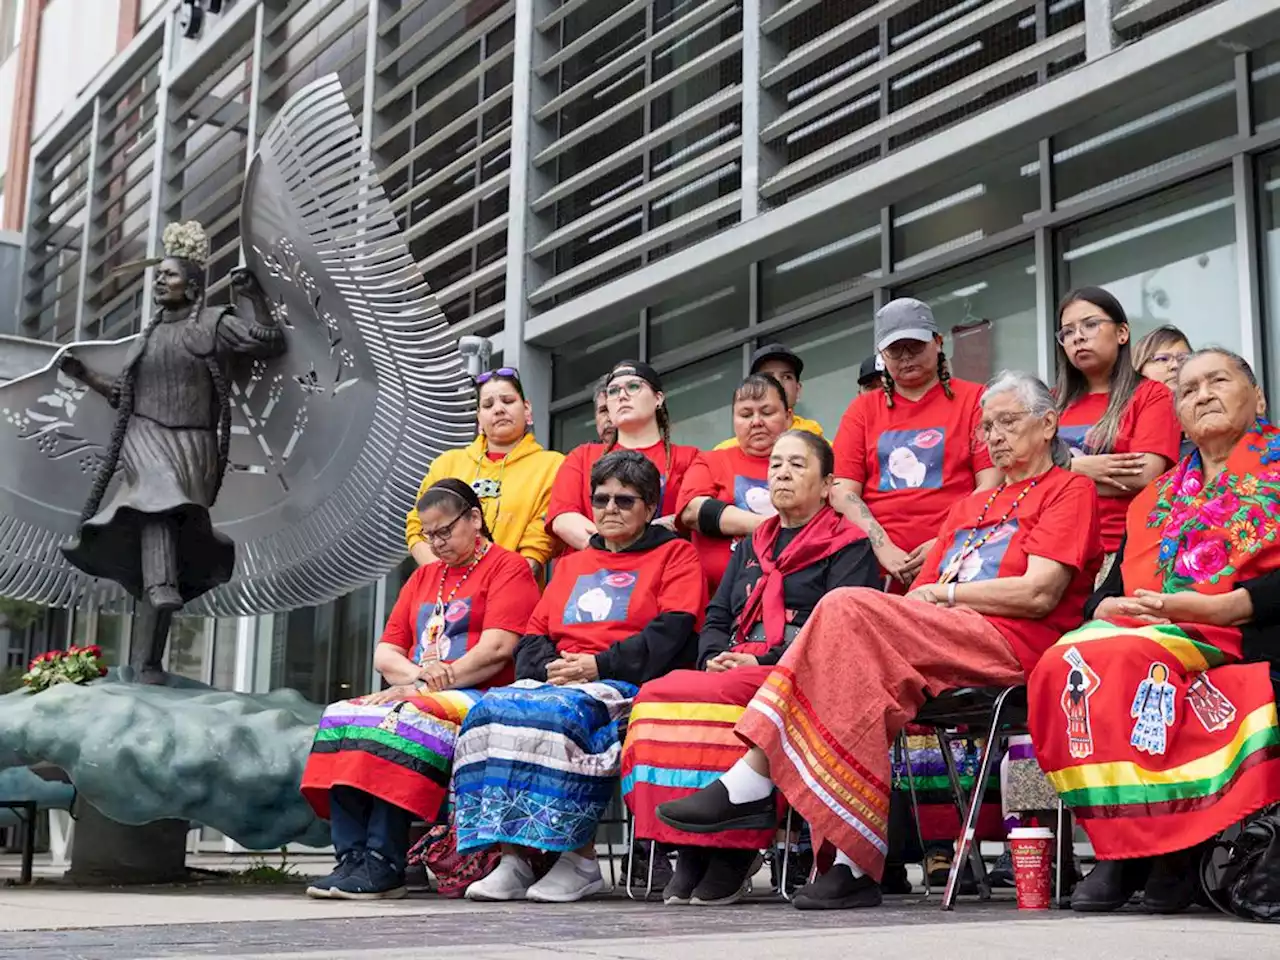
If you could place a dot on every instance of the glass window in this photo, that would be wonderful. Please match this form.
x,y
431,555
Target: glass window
x,y
1270,214
1145,135
807,274
188,647
577,363
699,398
832,347
1266,87
693,317
959,212
326,652
986,311
574,427
1170,258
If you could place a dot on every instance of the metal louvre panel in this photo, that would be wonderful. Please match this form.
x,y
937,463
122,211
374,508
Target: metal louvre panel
x,y
443,100
1055,47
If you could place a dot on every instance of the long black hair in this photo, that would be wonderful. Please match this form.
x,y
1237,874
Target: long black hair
x,y
451,490
1072,384
122,395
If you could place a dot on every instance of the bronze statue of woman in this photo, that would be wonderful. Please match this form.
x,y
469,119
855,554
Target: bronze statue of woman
x,y
170,441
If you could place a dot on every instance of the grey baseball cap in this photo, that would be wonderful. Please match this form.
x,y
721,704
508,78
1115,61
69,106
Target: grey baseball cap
x,y
904,319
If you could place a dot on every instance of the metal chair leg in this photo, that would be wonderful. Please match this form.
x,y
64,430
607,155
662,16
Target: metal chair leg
x,y
631,854
1058,840
786,857
969,826
961,801
905,753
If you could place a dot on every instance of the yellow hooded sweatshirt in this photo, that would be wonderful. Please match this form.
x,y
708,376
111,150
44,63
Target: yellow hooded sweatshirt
x,y
797,423
516,514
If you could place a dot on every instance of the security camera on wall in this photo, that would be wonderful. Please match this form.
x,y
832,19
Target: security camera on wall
x,y
476,352
191,15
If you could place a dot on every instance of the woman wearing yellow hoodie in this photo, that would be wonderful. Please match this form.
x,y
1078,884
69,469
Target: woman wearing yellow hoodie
x,y
507,468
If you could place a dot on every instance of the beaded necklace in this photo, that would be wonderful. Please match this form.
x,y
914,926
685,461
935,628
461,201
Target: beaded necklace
x,y
431,647
969,547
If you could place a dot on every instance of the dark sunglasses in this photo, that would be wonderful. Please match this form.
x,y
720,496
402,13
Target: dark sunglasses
x,y
488,375
625,501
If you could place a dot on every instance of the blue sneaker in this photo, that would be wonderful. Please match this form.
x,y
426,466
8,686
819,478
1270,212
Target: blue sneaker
x,y
373,878
322,889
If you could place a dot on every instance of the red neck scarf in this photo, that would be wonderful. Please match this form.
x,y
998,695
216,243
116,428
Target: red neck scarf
x,y
827,533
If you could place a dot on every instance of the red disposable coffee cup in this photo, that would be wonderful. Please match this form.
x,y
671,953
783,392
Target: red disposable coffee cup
x,y
1032,852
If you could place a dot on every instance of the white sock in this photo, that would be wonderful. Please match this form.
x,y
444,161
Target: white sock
x,y
744,784
842,857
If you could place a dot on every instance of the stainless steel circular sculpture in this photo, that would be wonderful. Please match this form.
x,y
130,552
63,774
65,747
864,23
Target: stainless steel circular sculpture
x,y
330,440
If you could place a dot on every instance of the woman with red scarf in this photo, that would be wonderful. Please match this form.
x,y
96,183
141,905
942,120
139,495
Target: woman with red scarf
x,y
1008,575
1156,720
681,735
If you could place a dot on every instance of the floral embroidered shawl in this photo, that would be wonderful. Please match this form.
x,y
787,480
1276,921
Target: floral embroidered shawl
x,y
1184,534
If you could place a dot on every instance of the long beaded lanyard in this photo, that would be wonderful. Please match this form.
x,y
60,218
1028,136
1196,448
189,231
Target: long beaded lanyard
x,y
431,648
969,547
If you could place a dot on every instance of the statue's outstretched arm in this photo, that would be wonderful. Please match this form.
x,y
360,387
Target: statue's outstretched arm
x,y
73,367
250,328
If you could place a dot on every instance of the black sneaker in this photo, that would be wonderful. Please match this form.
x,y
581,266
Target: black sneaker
x,y
839,889
1001,872
373,878
322,889
1173,882
895,879
710,810
691,866
638,866
1110,885
799,866
725,880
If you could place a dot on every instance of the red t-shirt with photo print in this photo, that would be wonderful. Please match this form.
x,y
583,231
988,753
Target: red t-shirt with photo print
x,y
1057,520
914,460
737,479
1149,424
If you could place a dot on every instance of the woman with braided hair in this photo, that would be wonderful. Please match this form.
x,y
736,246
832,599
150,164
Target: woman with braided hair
x,y
172,434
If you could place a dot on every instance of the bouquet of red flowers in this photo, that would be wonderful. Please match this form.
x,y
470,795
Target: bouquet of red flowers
x,y
73,665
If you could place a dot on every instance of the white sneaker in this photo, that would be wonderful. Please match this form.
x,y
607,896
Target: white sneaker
x,y
572,878
510,880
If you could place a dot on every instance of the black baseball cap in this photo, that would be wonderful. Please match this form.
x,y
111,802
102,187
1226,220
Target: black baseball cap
x,y
635,368
777,351
870,369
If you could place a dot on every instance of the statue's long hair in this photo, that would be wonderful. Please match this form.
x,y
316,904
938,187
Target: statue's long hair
x,y
122,397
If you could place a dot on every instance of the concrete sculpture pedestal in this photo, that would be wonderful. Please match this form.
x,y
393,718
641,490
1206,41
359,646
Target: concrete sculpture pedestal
x,y
106,852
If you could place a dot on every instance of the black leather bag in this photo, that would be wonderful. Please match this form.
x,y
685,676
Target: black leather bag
x,y
1240,871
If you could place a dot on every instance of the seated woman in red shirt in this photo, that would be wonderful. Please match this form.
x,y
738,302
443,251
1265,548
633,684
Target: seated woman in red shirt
x,y
725,494
681,732
1121,427
379,761
640,419
1009,573
537,762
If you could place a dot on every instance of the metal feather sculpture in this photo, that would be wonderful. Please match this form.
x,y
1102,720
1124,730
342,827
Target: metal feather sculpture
x,y
329,440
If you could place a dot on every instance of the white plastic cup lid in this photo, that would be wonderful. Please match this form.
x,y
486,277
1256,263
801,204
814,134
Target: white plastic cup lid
x,y
1030,833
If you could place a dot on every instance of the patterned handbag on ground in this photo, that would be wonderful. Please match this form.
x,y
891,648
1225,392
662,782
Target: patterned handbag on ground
x,y
453,872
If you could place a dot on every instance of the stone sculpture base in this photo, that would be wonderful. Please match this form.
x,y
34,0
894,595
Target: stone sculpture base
x,y
106,852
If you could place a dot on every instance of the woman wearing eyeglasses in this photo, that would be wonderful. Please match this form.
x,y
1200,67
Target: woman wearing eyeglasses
x,y
1121,428
725,494
380,761
537,763
641,422
508,469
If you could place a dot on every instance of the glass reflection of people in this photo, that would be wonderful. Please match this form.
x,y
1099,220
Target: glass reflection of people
x,y
641,420
724,497
827,751
784,365
506,466
1120,426
919,412
380,761
1179,732
681,729
537,763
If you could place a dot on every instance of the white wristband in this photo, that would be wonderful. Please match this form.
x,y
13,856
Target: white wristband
x,y
951,594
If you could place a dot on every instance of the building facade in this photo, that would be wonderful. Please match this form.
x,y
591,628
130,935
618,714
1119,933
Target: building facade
x,y
675,180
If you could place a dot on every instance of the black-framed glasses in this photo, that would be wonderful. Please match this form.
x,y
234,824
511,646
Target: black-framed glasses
x,y
630,387
1088,328
488,375
442,534
902,349
625,501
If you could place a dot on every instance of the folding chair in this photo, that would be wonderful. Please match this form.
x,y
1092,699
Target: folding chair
x,y
1003,710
